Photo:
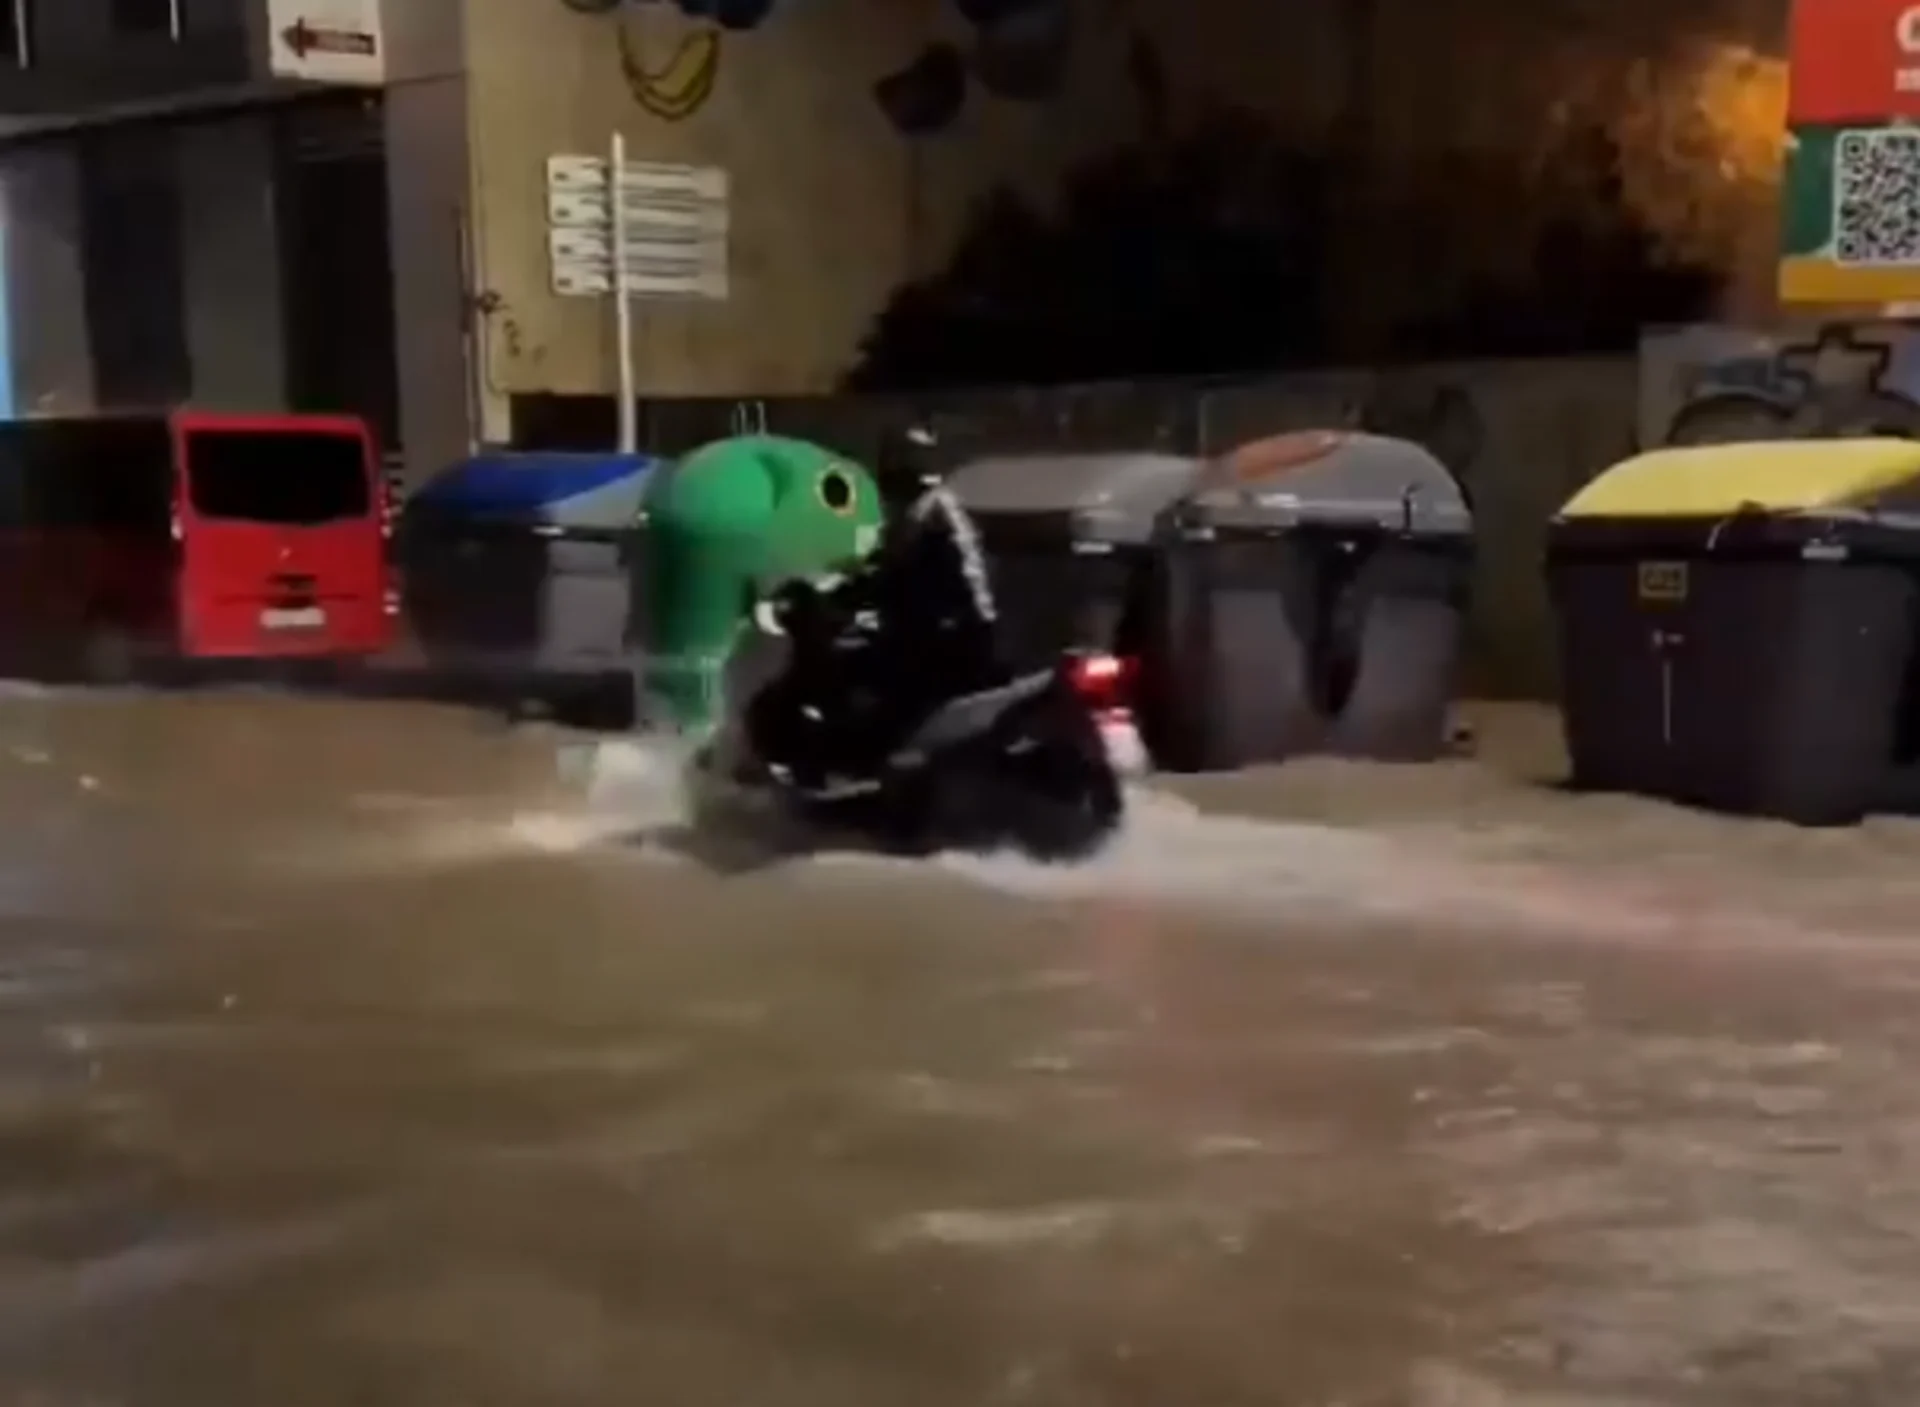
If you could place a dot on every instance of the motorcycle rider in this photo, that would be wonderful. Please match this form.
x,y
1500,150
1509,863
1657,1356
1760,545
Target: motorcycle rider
x,y
932,579
914,626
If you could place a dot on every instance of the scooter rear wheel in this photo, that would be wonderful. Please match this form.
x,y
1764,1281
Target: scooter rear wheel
x,y
1057,801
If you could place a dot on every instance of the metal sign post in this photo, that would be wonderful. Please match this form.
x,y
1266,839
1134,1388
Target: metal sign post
x,y
622,292
631,230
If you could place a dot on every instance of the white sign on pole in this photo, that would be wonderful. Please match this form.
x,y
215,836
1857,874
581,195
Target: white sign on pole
x,y
675,226
327,41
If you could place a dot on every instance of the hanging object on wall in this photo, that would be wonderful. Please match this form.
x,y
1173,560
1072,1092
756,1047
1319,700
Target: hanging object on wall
x,y
926,96
690,35
678,88
1022,56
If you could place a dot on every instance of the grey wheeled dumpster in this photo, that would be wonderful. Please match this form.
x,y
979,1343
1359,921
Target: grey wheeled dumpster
x,y
1068,537
516,580
1309,595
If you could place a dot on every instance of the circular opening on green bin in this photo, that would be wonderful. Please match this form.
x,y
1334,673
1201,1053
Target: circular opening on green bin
x,y
837,491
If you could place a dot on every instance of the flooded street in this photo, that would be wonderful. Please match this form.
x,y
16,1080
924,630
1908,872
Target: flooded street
x,y
377,1054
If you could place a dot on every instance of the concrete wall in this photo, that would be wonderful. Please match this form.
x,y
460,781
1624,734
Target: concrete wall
x,y
52,361
820,234
81,61
232,281
427,188
834,209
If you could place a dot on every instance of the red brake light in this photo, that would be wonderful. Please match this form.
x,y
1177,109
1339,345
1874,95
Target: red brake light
x,y
1104,681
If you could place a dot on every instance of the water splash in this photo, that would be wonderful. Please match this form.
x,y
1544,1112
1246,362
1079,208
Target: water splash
x,y
599,795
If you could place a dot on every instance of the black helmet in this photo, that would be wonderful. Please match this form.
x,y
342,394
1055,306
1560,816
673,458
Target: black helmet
x,y
908,462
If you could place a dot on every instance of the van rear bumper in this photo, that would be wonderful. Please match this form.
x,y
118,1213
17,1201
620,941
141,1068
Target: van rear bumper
x,y
346,628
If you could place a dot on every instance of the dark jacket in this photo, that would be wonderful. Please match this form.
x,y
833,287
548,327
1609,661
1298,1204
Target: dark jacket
x,y
912,628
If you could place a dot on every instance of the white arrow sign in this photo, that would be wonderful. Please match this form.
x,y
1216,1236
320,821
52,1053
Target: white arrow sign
x,y
327,41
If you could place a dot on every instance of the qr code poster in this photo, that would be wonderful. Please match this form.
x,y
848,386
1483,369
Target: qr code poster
x,y
1850,212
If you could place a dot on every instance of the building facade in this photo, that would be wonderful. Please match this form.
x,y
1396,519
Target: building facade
x,y
184,221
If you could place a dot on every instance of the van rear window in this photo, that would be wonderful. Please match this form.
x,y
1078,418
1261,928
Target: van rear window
x,y
277,476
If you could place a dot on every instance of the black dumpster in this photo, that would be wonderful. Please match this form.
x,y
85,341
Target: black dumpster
x,y
1309,595
515,578
1738,626
1068,538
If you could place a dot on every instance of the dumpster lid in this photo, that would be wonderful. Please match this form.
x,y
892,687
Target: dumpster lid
x,y
1112,497
1771,476
1333,477
774,505
540,490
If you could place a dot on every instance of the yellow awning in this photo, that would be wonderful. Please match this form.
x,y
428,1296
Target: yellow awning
x,y
1783,476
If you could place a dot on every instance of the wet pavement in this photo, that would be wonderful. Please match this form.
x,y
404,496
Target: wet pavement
x,y
364,1053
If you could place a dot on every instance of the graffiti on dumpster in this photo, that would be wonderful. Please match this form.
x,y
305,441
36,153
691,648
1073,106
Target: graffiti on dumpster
x,y
1717,385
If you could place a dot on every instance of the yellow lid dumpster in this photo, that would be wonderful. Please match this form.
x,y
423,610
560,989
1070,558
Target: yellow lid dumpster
x,y
1738,625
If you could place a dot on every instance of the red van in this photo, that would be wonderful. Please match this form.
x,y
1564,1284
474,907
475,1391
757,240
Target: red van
x,y
130,543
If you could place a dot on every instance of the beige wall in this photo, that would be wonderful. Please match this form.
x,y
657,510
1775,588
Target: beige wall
x,y
821,191
833,210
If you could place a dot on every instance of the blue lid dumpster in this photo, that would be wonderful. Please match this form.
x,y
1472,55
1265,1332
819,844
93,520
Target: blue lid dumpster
x,y
517,579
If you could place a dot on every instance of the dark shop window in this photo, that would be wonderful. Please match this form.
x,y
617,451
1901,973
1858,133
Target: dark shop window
x,y
16,33
132,258
143,16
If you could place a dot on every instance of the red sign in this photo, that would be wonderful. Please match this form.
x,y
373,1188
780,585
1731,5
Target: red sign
x,y
1853,60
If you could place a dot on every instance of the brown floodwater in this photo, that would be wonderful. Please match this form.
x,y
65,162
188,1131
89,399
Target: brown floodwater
x,y
375,1054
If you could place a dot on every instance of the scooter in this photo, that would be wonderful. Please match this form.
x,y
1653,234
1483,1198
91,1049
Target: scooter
x,y
853,737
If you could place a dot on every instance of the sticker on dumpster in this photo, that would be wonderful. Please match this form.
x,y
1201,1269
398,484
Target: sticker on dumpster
x,y
1663,582
1262,459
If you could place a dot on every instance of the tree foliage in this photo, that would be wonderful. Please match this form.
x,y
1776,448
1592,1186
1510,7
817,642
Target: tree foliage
x,y
1217,252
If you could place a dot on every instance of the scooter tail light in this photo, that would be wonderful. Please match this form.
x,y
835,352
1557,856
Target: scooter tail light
x,y
1104,681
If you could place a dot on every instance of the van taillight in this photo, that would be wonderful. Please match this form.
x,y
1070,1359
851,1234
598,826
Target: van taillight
x,y
1104,682
175,528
